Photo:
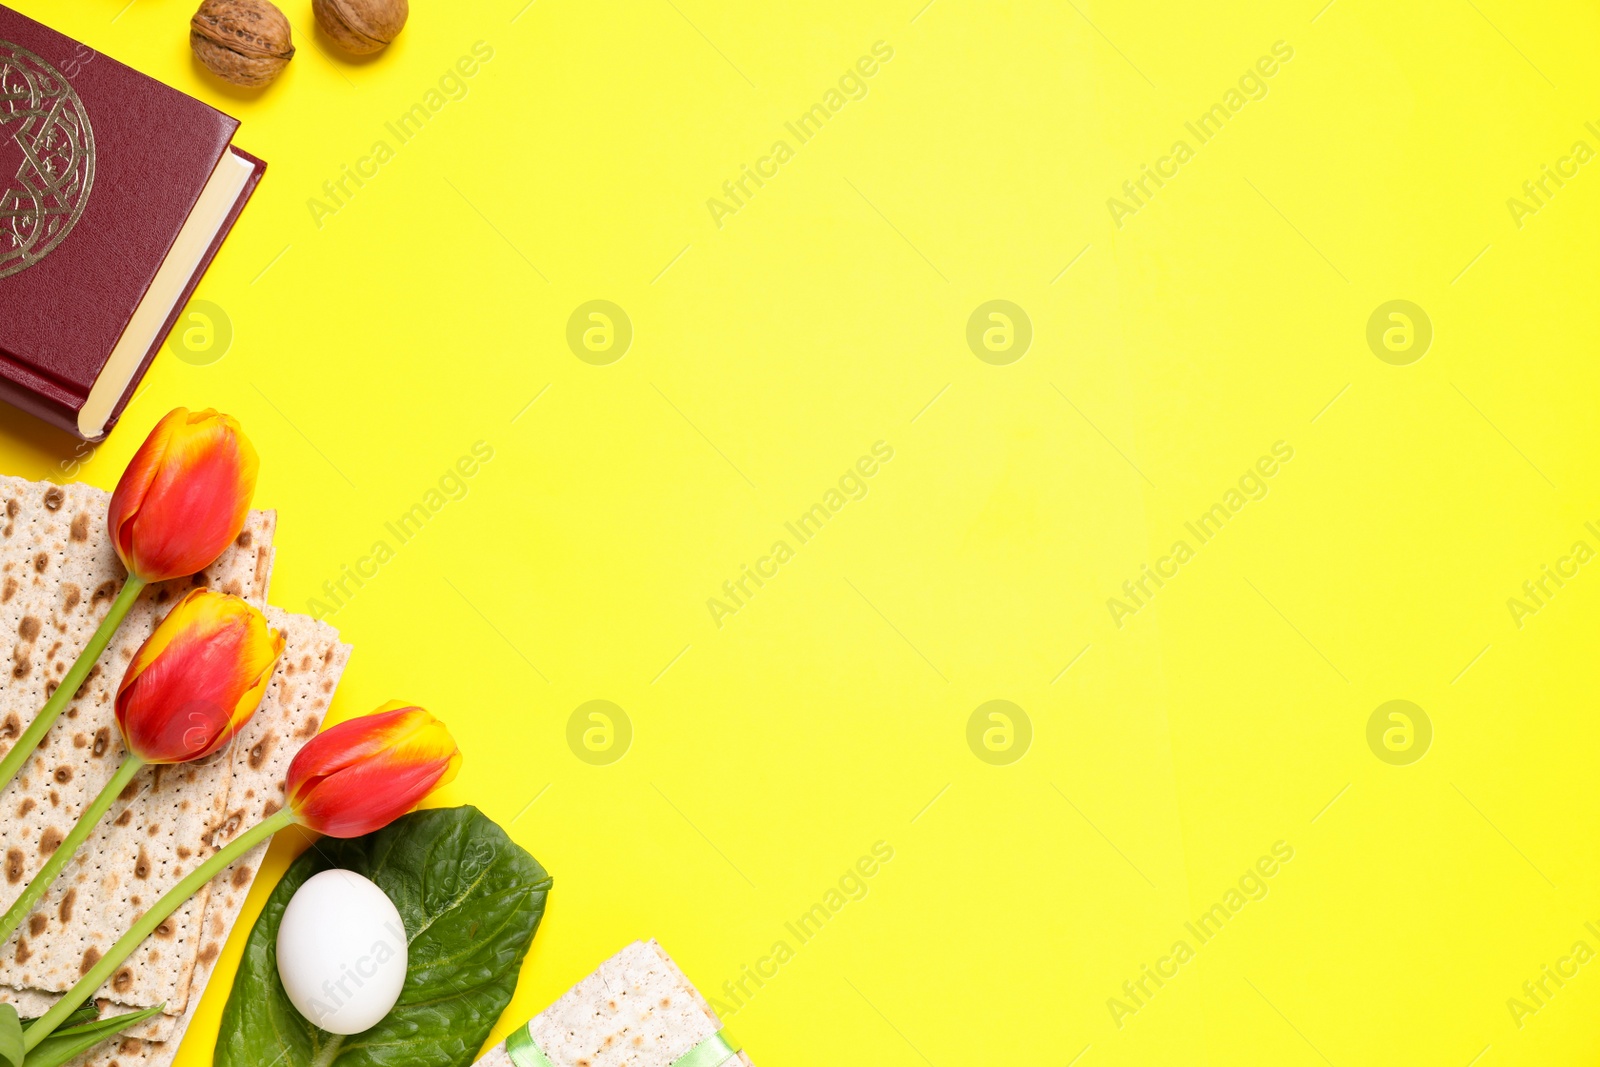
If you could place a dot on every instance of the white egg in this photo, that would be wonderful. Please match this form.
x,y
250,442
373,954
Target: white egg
x,y
342,952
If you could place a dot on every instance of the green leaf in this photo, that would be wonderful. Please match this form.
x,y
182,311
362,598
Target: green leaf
x,y
471,900
10,1036
87,1013
71,1040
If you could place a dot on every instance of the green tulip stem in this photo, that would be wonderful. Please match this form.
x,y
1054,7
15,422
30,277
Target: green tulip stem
x,y
96,976
71,683
51,870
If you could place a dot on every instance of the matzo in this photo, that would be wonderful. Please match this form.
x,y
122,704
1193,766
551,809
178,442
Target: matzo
x,y
636,1010
58,575
291,713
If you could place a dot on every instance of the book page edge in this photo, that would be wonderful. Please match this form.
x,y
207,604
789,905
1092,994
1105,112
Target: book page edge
x,y
221,192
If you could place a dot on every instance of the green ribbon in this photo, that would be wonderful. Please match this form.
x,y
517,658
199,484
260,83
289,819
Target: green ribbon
x,y
523,1052
714,1051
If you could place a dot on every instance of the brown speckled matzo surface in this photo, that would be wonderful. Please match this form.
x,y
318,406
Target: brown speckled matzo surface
x,y
58,575
291,713
636,1010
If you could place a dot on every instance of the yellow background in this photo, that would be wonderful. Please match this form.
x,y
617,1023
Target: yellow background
x,y
830,312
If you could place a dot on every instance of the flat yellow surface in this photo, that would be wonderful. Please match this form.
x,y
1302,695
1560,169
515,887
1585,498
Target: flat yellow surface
x,y
1179,736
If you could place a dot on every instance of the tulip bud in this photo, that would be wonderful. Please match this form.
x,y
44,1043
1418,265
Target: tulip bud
x,y
184,496
197,679
363,774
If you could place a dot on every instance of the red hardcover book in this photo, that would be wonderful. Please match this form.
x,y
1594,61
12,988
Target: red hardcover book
x,y
115,193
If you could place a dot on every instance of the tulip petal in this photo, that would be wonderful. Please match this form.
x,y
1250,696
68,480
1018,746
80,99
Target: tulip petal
x,y
197,679
185,496
136,479
362,774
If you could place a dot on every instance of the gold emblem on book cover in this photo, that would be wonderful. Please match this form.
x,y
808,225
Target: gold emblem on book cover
x,y
46,158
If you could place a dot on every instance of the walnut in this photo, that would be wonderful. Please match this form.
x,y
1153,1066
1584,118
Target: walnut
x,y
361,26
246,42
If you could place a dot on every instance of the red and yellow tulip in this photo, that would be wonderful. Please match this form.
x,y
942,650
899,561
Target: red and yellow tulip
x,y
184,496
182,500
197,679
363,774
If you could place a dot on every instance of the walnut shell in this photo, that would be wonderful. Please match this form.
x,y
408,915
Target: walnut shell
x,y
361,26
246,42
